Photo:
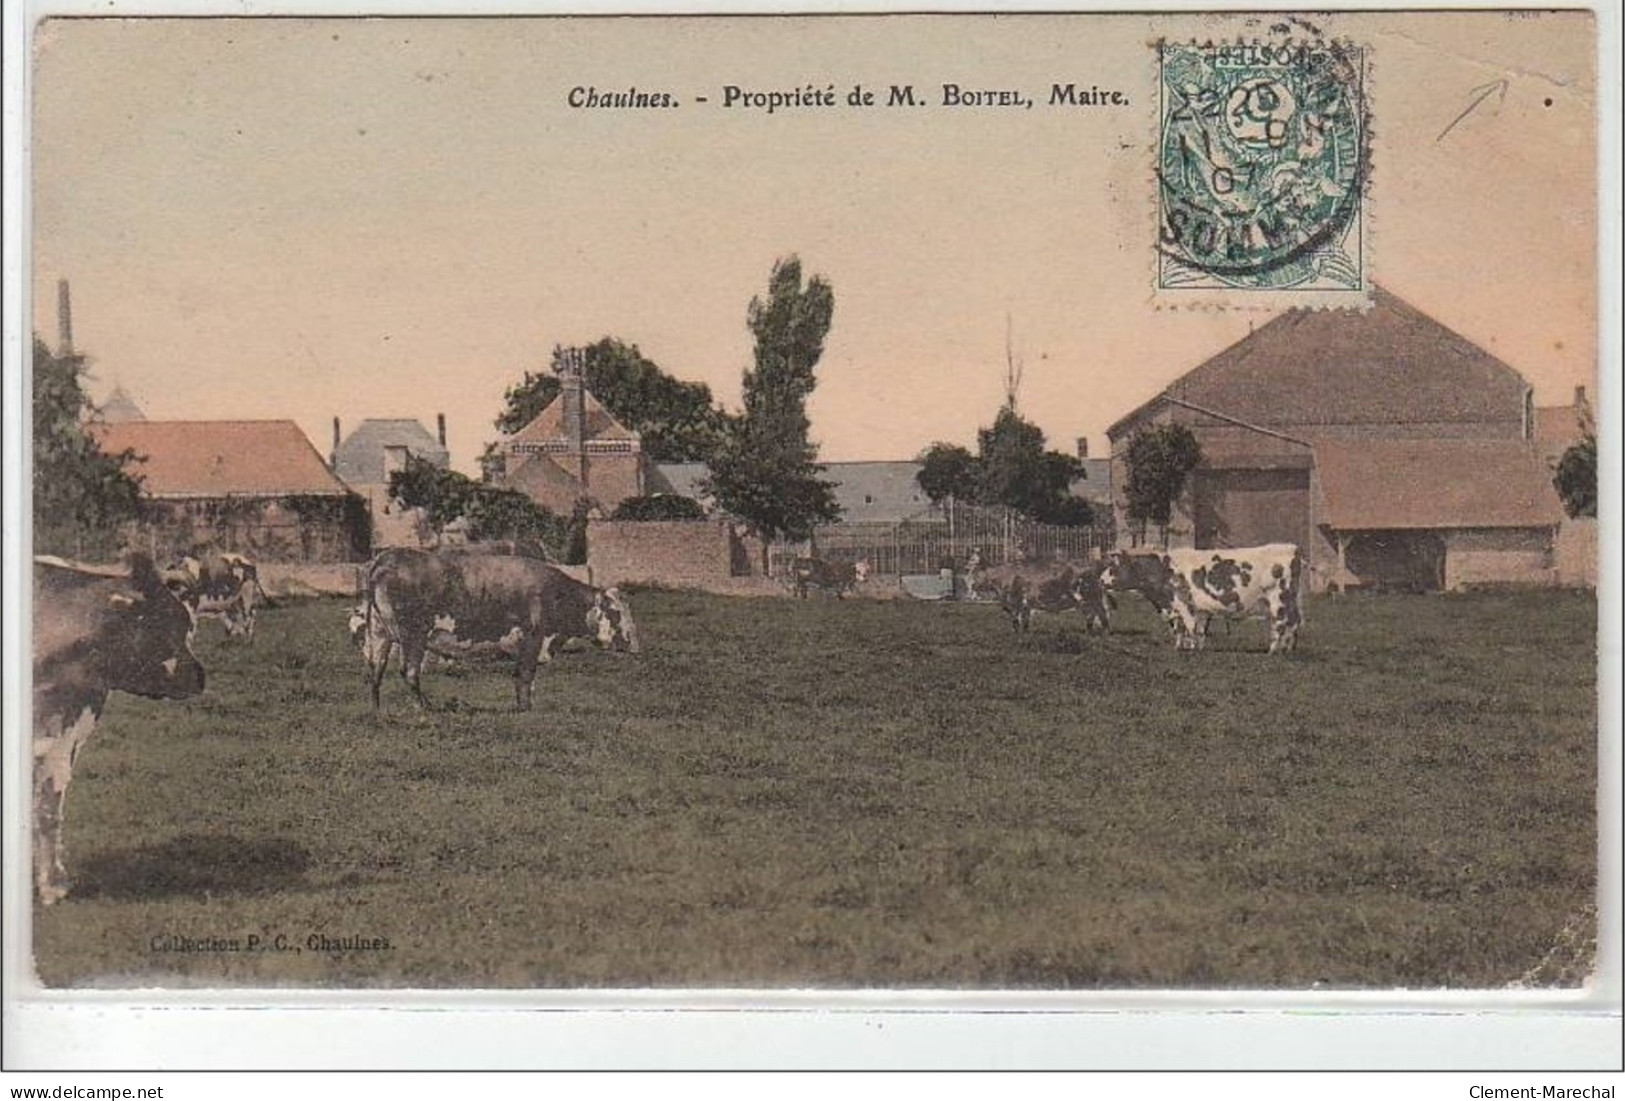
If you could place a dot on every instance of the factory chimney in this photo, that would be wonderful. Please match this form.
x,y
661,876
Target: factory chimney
x,y
64,320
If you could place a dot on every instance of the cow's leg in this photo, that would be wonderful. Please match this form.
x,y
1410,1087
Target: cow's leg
x,y
53,769
377,661
530,653
412,655
1283,621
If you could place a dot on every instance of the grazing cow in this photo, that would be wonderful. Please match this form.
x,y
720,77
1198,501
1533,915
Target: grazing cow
x,y
417,599
94,632
1022,589
833,577
219,585
1190,587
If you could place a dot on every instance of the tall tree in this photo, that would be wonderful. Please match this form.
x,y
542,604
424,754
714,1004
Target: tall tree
x,y
81,495
1159,461
1016,471
1011,469
678,420
947,470
766,472
1576,477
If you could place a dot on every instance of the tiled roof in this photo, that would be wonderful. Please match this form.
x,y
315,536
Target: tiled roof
x,y
1373,485
359,459
222,458
1391,364
549,423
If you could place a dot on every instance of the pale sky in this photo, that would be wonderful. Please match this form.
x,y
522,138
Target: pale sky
x,y
318,218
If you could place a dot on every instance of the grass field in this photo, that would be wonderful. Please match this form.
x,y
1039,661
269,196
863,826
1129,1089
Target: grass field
x,y
849,794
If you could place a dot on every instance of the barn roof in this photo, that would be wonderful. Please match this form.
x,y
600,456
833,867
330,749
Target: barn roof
x,y
1373,485
359,459
1391,364
222,458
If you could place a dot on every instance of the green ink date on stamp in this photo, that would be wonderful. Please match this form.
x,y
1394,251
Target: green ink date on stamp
x,y
1262,163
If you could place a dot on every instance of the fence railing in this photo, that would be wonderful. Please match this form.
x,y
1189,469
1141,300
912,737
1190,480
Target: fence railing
x,y
947,536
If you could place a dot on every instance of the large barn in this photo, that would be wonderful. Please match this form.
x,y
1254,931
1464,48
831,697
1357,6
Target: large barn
x,y
1398,453
258,487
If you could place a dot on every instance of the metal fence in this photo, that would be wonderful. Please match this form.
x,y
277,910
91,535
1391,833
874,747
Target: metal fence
x,y
947,537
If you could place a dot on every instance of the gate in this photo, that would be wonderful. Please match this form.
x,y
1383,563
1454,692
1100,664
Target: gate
x,y
945,537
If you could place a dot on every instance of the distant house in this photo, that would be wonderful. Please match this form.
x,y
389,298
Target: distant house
x,y
1395,451
878,492
377,448
573,450
258,487
120,407
1560,427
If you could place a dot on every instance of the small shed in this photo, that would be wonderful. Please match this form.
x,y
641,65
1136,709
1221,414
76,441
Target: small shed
x,y
1436,514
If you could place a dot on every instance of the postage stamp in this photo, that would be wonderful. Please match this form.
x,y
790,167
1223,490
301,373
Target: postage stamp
x,y
662,504
1262,163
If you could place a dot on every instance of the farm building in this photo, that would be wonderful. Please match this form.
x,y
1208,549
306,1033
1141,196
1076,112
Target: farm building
x,y
374,450
1396,451
1560,427
573,450
258,487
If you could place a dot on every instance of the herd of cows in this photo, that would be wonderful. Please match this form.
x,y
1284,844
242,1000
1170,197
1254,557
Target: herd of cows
x,y
99,630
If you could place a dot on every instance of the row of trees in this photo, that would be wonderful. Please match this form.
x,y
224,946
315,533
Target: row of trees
x,y
764,467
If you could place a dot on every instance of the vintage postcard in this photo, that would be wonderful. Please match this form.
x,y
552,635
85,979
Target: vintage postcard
x,y
961,503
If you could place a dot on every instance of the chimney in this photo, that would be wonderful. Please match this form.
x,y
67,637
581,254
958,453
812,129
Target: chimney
x,y
1580,396
1083,447
440,423
335,439
64,320
567,364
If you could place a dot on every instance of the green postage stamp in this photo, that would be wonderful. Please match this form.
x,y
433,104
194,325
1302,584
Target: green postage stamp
x,y
1262,166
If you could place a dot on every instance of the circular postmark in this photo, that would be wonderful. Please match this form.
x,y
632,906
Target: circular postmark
x,y
1261,163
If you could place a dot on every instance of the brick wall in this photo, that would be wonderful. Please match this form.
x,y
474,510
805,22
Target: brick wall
x,y
677,553
1575,552
1498,556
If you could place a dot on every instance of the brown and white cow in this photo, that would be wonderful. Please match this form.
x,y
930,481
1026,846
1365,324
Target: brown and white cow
x,y
1190,587
95,631
418,599
839,578
1025,588
219,585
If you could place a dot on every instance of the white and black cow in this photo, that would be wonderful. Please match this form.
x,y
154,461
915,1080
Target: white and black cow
x,y
219,585
95,631
839,578
1189,587
418,599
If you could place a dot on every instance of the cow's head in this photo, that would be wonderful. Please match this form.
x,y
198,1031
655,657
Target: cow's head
x,y
1115,573
358,625
610,624
146,638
